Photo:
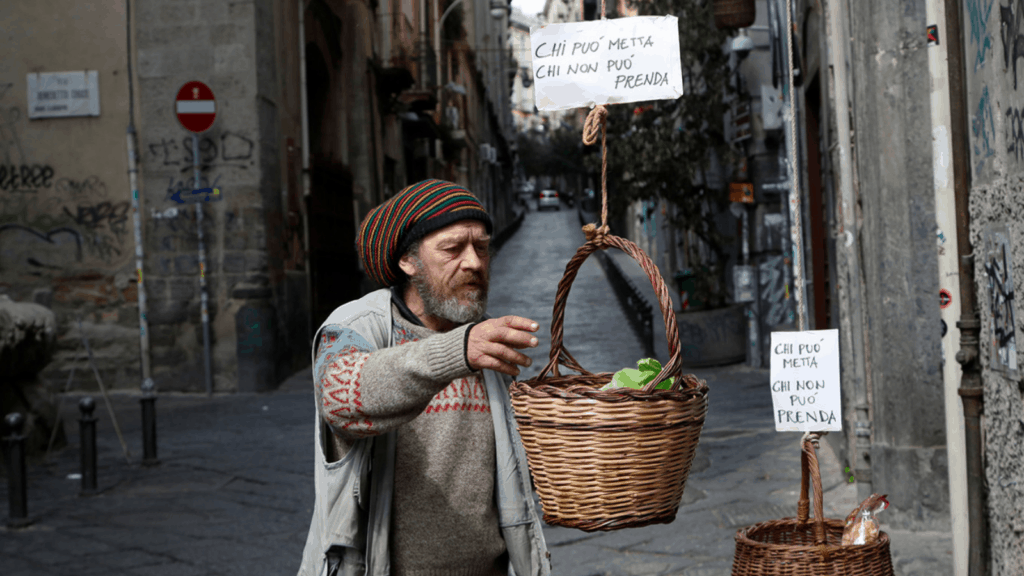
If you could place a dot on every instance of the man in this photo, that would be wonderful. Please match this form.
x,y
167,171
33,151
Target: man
x,y
420,470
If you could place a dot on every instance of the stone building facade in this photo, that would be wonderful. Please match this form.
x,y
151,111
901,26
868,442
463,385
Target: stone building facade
x,y
995,105
279,244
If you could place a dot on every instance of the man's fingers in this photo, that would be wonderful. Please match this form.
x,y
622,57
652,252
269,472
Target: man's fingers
x,y
503,353
520,323
503,331
497,365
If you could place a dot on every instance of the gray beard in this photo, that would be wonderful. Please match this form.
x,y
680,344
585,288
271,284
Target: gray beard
x,y
435,304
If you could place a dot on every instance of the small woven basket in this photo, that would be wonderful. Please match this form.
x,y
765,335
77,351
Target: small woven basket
x,y
807,547
613,459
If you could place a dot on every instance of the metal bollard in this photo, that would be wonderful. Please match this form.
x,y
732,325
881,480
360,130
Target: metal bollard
x,y
17,487
148,402
87,442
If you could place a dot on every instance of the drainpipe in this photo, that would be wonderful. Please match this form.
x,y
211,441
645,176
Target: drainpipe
x,y
306,192
848,242
971,387
133,180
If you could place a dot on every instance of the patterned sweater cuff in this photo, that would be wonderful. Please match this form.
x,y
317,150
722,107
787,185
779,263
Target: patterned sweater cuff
x,y
446,354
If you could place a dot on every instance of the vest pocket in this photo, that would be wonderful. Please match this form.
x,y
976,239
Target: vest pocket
x,y
343,561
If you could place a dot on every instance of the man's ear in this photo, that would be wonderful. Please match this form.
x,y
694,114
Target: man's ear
x,y
407,265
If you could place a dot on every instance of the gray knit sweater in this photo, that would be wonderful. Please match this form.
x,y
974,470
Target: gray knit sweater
x,y
444,520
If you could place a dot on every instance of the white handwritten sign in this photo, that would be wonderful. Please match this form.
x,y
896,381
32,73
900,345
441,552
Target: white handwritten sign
x,y
581,64
805,381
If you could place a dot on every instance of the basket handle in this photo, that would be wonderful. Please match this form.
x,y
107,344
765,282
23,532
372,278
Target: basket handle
x,y
809,471
558,352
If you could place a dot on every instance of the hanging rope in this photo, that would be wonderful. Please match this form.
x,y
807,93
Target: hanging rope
x,y
596,122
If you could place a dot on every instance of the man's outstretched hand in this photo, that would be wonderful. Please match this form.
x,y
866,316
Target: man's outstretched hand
x,y
492,344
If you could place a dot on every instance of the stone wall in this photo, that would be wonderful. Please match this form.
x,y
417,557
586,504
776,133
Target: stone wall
x,y
248,235
996,107
65,204
893,171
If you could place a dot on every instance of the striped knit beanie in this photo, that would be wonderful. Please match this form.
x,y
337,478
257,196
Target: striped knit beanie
x,y
389,229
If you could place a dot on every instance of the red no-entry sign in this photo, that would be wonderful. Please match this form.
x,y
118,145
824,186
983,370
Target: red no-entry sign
x,y
196,107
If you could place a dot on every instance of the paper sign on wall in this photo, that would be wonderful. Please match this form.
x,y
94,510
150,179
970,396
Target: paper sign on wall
x,y
581,64
805,381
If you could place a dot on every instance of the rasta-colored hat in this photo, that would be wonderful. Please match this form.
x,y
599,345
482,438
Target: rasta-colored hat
x,y
389,229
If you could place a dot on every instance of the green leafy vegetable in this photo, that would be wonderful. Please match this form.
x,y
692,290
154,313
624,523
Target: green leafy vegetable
x,y
644,374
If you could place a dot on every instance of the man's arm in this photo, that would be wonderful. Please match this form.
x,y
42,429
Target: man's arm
x,y
364,392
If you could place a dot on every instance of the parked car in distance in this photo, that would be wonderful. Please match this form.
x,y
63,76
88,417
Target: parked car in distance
x,y
548,199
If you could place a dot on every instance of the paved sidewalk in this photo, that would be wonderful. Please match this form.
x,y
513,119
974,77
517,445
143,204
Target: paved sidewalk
x,y
234,489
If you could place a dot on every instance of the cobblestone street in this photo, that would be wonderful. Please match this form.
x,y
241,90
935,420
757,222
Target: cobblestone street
x,y
234,490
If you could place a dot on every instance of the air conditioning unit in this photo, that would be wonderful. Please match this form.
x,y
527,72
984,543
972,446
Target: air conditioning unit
x,y
492,155
485,152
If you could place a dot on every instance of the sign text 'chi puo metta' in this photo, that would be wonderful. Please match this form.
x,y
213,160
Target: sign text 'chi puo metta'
x,y
582,64
806,394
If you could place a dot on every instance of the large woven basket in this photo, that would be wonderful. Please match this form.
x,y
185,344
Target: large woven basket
x,y
807,547
613,459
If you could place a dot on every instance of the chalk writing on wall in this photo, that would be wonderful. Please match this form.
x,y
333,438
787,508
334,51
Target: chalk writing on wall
x,y
999,271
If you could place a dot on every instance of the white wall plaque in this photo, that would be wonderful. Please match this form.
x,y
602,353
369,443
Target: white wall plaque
x,y
63,94
581,64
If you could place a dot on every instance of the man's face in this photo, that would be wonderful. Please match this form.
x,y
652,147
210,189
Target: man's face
x,y
452,272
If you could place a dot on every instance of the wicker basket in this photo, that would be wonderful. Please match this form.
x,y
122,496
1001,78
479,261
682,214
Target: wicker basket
x,y
613,459
807,547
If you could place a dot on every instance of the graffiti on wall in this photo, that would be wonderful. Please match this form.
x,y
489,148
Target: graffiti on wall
x,y
90,187
183,186
983,127
998,269
776,306
1014,132
25,178
978,12
50,232
230,150
72,220
1011,16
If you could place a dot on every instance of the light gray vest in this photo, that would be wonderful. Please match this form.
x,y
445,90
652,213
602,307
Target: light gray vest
x,y
352,512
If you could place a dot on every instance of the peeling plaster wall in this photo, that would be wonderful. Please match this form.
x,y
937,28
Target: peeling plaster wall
x,y
995,79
